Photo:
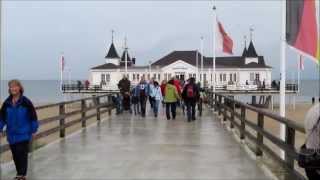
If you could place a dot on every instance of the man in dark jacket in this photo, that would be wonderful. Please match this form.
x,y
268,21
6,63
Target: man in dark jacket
x,y
124,87
191,95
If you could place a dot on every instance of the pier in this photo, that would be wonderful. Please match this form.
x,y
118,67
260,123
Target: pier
x,y
125,146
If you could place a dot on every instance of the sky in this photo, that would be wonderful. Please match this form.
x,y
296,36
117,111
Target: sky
x,y
35,33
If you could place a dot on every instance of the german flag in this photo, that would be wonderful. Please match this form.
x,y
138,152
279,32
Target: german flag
x,y
303,27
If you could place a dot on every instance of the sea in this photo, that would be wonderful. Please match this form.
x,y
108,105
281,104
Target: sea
x,y
48,91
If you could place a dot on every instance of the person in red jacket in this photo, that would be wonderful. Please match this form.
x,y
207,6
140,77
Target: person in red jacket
x,y
163,87
176,83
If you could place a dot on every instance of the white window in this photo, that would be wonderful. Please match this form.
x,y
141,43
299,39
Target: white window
x,y
234,77
133,76
165,76
251,76
103,78
224,77
108,77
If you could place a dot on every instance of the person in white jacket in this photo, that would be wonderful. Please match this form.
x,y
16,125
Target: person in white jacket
x,y
157,97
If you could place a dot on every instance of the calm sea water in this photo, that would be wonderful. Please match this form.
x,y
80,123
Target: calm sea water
x,y
48,91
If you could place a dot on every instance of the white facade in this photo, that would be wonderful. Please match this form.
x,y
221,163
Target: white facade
x,y
234,70
184,71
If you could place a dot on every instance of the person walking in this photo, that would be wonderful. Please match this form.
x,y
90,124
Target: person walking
x,y
124,87
171,98
157,97
151,93
143,95
312,127
20,118
190,95
163,87
135,100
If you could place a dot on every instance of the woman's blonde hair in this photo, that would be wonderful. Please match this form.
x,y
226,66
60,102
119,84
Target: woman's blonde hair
x,y
17,83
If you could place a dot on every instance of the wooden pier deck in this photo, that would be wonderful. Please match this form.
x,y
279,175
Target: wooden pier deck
x,y
131,147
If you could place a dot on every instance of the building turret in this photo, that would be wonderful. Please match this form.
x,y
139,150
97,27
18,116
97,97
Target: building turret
x,y
251,54
112,55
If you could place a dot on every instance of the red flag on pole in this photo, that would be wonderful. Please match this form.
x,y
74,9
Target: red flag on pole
x,y
226,43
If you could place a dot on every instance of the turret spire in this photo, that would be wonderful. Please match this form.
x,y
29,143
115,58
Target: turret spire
x,y
112,35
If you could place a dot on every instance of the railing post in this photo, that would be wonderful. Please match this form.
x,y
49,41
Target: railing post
x,y
232,114
215,102
220,105
224,114
243,123
212,100
110,105
98,108
259,135
62,112
83,113
290,141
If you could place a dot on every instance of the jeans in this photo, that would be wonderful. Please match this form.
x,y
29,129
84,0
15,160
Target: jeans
x,y
143,102
152,101
173,107
119,104
156,107
191,110
20,156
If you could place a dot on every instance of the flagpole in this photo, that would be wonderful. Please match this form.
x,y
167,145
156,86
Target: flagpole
x,y
201,46
283,75
197,65
214,49
126,56
61,70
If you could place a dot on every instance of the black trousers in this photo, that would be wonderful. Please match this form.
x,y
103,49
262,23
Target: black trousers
x,y
312,174
143,101
191,110
20,157
173,107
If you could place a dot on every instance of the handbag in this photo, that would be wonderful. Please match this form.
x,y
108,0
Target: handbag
x,y
309,158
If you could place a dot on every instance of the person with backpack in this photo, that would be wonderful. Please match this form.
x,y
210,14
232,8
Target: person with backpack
x,y
143,96
157,97
312,127
20,118
171,98
190,95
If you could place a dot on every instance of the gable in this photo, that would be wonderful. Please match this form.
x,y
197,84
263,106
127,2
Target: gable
x,y
179,65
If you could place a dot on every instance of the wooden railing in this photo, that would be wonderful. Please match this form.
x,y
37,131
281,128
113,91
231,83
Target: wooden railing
x,y
96,105
236,112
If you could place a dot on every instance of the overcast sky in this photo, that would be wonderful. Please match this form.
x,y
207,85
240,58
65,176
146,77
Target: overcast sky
x,y
34,33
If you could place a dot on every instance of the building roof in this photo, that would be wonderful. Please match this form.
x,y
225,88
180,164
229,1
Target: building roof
x,y
106,66
251,51
123,57
245,52
221,62
112,53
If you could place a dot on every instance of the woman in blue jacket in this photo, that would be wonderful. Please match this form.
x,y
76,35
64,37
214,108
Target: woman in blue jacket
x,y
20,118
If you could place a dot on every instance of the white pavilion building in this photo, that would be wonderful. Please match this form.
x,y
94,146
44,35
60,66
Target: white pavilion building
x,y
236,70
